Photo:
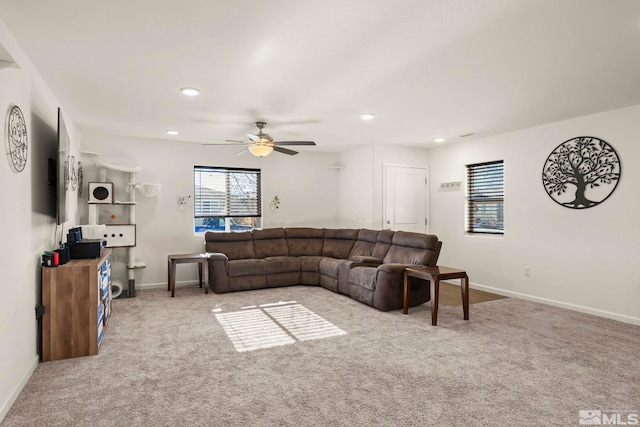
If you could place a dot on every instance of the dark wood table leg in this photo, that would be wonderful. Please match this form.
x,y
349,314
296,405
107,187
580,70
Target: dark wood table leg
x,y
435,292
407,290
168,274
200,263
205,275
465,296
173,278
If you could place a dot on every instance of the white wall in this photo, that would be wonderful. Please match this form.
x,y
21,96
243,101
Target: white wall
x,y
27,233
581,259
361,181
305,185
355,189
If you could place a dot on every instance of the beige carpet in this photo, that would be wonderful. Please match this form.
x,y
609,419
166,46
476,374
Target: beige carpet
x,y
169,362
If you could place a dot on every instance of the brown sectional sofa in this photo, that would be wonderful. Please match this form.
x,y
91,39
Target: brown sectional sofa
x,y
367,265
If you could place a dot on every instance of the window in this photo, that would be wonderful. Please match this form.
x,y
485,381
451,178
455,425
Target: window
x,y
485,198
226,199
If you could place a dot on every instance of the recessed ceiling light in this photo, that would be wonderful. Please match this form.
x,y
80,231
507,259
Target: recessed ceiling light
x,y
172,132
438,140
367,116
190,91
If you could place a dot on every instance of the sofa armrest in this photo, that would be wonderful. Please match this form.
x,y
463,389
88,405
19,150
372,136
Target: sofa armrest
x,y
394,268
368,260
218,266
216,256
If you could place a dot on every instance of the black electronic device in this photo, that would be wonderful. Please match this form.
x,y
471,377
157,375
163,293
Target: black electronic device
x,y
48,259
87,248
63,254
74,235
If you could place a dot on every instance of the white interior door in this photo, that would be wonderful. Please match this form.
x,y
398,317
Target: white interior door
x,y
405,198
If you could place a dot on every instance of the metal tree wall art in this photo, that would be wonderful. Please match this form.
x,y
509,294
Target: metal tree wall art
x,y
17,142
581,172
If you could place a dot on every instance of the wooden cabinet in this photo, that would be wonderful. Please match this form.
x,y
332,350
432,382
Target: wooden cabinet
x,y
77,306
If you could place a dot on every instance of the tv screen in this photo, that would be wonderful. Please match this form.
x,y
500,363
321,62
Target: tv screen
x,y
44,157
63,169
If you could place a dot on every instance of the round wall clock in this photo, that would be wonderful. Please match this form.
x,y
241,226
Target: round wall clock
x,y
17,142
581,172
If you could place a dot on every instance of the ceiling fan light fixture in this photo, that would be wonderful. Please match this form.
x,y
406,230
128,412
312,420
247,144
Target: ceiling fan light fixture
x,y
190,91
260,150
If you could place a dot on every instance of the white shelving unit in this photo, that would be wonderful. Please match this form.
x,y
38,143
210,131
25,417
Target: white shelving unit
x,y
124,238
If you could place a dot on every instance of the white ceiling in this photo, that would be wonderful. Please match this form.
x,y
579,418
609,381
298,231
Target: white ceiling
x,y
425,68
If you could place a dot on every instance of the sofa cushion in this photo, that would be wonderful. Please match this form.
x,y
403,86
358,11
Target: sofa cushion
x,y
247,267
310,263
330,266
282,264
412,248
365,243
270,242
363,277
304,241
339,242
385,239
235,245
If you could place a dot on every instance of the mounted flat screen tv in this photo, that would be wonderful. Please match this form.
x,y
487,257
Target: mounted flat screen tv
x,y
62,174
44,156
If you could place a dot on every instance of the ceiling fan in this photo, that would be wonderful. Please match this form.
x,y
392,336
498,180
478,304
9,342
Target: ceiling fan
x,y
262,144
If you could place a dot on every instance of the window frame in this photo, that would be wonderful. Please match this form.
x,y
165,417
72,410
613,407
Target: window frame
x,y
229,207
485,192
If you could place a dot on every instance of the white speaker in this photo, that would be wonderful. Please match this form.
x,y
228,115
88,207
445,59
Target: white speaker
x,y
100,192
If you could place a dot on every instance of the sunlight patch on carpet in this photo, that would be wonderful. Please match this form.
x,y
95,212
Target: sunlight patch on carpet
x,y
303,323
274,325
252,329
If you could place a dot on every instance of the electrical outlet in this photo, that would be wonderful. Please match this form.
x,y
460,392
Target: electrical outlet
x,y
527,271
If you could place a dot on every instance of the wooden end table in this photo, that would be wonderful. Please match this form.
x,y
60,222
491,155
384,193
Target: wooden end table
x,y
434,275
203,269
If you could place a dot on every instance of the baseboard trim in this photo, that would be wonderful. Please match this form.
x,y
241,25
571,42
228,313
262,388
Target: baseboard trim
x,y
164,285
596,312
7,404
583,309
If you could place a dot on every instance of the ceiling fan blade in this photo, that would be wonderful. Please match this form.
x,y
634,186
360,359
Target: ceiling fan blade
x,y
240,153
235,140
294,142
284,151
228,144
254,138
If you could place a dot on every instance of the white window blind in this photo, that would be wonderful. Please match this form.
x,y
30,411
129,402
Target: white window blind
x,y
226,192
485,198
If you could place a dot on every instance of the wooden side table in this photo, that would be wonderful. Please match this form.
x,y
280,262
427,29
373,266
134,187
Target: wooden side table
x,y
203,269
434,275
